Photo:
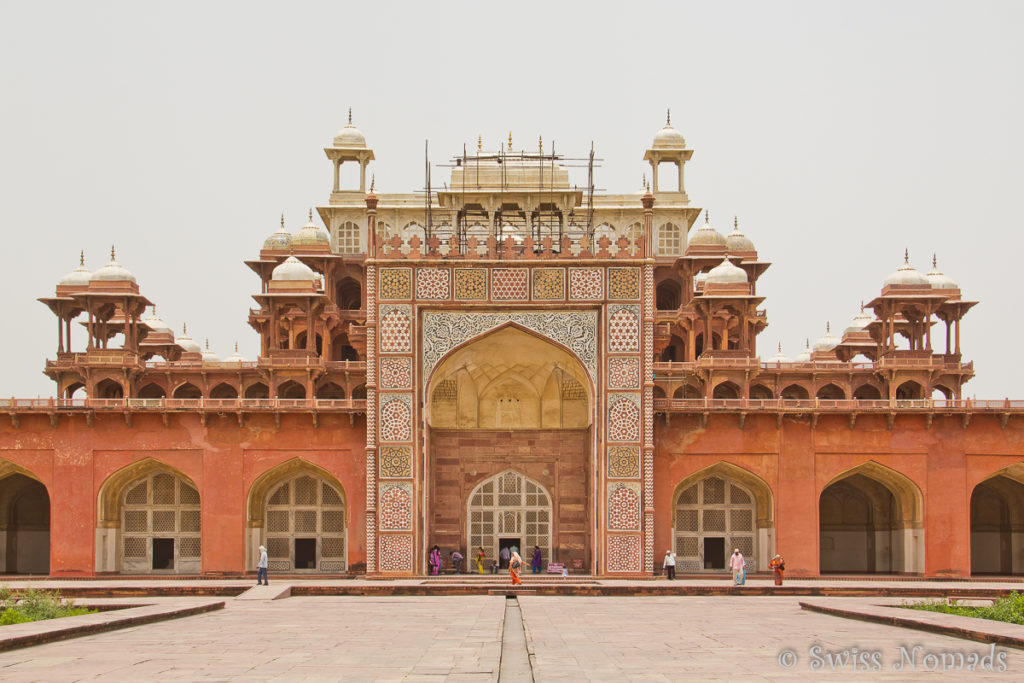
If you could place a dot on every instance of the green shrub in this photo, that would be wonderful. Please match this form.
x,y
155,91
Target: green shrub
x,y
1009,609
35,605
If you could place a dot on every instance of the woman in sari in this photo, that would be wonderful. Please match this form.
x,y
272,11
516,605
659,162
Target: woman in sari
x,y
778,565
480,555
515,564
435,560
537,559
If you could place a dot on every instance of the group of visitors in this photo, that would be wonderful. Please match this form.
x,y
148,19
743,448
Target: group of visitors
x,y
737,565
508,557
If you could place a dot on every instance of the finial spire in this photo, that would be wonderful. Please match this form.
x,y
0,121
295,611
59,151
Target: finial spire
x,y
540,144
373,181
862,305
644,181
735,223
668,117
479,143
112,258
828,327
707,217
780,347
236,347
350,116
207,343
282,221
510,141
310,215
935,261
906,256
81,258
184,328
807,342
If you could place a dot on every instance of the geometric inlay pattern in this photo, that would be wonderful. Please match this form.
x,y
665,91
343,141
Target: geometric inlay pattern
x,y
510,284
575,330
624,507
624,328
396,283
395,328
395,417
624,372
396,552
432,283
624,417
623,462
470,284
548,284
396,461
624,553
396,373
585,283
395,508
623,283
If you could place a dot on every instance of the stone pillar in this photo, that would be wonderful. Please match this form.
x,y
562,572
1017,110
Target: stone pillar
x,y
371,388
796,501
647,349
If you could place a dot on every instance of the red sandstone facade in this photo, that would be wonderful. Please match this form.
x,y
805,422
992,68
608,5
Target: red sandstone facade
x,y
517,362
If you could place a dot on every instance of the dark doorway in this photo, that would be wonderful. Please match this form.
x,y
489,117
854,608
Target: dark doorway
x,y
305,553
163,553
714,553
509,543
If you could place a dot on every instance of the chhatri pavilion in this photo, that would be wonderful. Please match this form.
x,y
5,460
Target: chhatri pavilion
x,y
509,359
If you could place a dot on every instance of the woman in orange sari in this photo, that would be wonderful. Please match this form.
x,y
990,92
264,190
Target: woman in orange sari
x,y
778,565
515,564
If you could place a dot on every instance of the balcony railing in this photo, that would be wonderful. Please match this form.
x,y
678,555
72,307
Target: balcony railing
x,y
179,404
685,405
509,248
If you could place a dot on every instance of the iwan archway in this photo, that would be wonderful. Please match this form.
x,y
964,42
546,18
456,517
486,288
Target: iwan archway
x,y
509,440
24,522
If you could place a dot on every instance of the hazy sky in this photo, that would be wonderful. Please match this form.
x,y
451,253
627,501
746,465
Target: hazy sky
x,y
839,133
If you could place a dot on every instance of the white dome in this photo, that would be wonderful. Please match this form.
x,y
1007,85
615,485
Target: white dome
x,y
827,341
706,236
860,321
208,355
280,239
235,357
805,355
293,269
940,280
907,275
737,241
186,342
156,323
780,357
726,273
350,136
112,272
310,235
79,277
668,137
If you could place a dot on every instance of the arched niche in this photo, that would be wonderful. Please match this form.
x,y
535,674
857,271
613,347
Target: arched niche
x,y
751,492
509,379
24,522
870,520
997,523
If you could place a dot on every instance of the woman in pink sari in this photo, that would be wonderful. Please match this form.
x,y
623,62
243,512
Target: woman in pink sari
x,y
435,560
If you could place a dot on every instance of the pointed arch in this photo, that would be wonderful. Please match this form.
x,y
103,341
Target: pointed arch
x,y
763,495
509,507
261,486
187,390
108,510
907,493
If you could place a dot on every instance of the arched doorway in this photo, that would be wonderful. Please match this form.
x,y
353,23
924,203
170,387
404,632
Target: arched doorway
x,y
160,526
304,526
24,525
870,522
997,526
509,510
712,517
511,401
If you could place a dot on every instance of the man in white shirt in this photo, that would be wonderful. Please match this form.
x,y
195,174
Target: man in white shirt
x,y
670,565
261,568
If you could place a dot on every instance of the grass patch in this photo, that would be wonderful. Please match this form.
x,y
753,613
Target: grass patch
x,y
35,605
1009,609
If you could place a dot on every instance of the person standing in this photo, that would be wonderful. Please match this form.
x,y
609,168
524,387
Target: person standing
x,y
737,565
503,555
261,567
480,556
669,565
515,564
537,559
435,560
777,565
457,559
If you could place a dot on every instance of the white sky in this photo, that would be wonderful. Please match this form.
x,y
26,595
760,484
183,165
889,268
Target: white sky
x,y
840,133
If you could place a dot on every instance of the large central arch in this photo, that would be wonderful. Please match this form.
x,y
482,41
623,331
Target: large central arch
x,y
511,399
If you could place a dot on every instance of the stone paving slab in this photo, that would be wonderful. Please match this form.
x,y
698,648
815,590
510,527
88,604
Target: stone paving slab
x,y
971,628
270,592
724,638
15,636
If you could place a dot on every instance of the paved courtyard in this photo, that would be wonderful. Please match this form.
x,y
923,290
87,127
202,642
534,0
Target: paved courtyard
x,y
460,638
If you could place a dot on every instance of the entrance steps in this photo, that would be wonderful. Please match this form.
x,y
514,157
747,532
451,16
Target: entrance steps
x,y
274,591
